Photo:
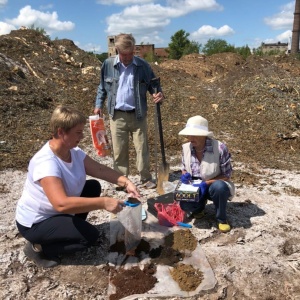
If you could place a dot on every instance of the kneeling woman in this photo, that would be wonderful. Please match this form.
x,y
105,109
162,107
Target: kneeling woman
x,y
206,158
51,213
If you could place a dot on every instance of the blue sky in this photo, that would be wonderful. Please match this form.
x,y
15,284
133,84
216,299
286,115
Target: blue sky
x,y
89,22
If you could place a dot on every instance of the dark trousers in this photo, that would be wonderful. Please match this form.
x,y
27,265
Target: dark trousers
x,y
65,233
219,193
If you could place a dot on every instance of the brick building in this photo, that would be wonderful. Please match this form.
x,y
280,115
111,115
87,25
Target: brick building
x,y
282,47
140,50
143,50
161,52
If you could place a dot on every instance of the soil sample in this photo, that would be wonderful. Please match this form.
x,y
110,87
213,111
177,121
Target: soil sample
x,y
181,240
136,281
187,277
167,256
133,281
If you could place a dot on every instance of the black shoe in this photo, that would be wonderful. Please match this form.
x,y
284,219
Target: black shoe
x,y
121,188
39,258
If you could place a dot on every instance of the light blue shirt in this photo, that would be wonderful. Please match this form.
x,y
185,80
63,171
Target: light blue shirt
x,y
125,94
109,85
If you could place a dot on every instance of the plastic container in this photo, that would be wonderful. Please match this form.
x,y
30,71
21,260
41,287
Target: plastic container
x,y
168,187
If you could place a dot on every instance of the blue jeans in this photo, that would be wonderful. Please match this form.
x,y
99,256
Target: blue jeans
x,y
219,193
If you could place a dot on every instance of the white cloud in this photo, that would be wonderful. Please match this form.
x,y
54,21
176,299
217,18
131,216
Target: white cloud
x,y
3,3
90,47
6,28
123,2
192,5
284,19
146,21
153,39
48,21
284,37
206,32
47,6
138,20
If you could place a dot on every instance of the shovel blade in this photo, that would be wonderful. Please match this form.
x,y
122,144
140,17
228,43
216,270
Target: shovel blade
x,y
163,175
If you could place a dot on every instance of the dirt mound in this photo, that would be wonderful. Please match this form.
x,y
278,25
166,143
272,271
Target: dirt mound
x,y
36,75
252,104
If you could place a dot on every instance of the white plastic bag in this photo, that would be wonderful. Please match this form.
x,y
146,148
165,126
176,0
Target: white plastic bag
x,y
99,137
130,218
168,187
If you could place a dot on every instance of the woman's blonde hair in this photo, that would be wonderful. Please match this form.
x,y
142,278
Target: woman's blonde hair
x,y
124,42
66,118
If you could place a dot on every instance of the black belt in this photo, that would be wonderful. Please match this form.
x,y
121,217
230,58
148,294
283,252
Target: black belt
x,y
127,111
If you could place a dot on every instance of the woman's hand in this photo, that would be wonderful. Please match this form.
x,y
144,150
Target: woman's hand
x,y
132,190
186,178
113,205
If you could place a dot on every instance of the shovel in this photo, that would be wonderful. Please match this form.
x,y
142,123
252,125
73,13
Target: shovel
x,y
164,168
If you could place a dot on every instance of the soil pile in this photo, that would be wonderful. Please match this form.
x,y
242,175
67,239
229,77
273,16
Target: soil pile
x,y
253,105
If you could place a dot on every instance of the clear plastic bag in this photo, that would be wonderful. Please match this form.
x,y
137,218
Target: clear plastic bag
x,y
168,187
130,218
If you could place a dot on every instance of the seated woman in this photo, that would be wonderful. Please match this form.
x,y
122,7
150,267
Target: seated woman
x,y
206,158
51,213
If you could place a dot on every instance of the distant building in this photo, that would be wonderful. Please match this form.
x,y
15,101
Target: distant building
x,y
282,47
140,50
161,52
143,50
111,46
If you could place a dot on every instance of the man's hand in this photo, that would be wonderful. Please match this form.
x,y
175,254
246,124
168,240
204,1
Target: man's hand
x,y
98,111
158,98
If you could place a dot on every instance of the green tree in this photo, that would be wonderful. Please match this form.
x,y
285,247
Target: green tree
x,y
193,47
40,30
259,52
243,51
214,46
150,57
102,57
179,42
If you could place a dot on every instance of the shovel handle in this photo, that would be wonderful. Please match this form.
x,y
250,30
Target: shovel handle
x,y
161,137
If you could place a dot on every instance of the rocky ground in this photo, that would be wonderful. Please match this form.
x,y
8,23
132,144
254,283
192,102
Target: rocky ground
x,y
253,105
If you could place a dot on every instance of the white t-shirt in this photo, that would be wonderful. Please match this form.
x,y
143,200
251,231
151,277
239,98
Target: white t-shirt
x,y
34,206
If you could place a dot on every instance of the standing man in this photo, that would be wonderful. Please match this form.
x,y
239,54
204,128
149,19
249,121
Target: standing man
x,y
125,80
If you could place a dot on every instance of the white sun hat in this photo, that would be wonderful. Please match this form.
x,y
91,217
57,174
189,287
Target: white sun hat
x,y
196,126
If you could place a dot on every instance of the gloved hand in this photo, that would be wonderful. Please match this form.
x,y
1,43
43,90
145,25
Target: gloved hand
x,y
203,188
186,178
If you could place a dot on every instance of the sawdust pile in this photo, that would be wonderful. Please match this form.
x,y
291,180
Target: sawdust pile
x,y
251,104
